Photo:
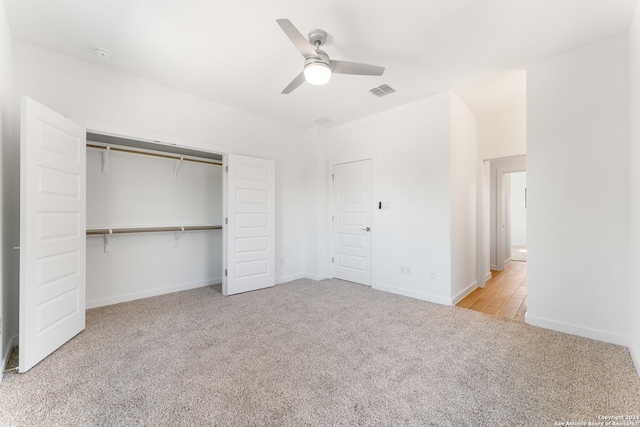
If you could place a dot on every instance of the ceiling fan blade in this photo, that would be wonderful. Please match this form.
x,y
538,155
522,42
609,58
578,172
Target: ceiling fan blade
x,y
294,84
346,67
301,43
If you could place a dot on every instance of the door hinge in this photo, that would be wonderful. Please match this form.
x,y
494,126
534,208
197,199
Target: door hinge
x,y
226,220
332,220
331,260
226,169
225,272
333,177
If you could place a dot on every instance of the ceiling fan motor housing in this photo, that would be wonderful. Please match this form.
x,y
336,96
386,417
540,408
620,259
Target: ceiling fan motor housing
x,y
321,58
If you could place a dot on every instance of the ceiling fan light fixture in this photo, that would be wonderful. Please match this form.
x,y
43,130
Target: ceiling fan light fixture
x,y
317,73
318,67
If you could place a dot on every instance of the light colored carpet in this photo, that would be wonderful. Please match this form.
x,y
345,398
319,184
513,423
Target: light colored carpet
x,y
309,353
519,253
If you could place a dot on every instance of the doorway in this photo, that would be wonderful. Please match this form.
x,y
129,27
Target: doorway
x,y
504,245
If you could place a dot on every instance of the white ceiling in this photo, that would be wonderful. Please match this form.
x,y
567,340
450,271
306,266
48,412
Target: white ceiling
x,y
234,52
497,91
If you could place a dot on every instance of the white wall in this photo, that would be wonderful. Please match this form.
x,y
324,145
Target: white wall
x,y
578,181
317,209
411,148
140,191
518,211
6,150
85,92
503,133
634,300
463,199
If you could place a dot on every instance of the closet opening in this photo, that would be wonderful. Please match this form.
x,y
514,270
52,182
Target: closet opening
x,y
154,219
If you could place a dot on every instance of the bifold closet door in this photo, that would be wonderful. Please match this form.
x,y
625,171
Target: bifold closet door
x,y
52,231
251,224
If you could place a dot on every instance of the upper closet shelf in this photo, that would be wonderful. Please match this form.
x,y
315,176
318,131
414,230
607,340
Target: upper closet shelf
x,y
177,157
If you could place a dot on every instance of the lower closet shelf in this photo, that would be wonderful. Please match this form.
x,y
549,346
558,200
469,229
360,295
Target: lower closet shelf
x,y
122,230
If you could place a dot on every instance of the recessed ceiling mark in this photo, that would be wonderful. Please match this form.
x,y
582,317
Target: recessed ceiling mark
x,y
323,120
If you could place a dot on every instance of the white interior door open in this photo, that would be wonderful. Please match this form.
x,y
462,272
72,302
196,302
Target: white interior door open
x,y
52,231
250,228
352,202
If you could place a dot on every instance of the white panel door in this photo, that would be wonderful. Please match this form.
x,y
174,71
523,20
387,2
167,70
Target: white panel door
x,y
352,221
251,224
52,231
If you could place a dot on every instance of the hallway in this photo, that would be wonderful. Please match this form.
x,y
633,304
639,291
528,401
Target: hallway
x,y
504,295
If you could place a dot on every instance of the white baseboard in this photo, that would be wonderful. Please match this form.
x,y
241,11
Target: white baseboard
x,y
317,277
413,294
487,276
151,293
466,291
634,349
289,278
580,331
493,267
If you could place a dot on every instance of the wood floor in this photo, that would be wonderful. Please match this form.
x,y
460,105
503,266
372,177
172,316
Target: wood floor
x,y
504,295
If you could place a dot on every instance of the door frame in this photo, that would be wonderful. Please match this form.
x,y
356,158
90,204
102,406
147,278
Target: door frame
x,y
484,236
486,212
501,225
358,157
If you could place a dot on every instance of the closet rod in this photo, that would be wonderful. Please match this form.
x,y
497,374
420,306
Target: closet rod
x,y
97,231
166,156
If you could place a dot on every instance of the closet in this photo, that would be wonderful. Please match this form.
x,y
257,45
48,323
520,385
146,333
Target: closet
x,y
107,217
154,219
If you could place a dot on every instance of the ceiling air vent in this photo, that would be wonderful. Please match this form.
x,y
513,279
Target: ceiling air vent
x,y
381,91
323,120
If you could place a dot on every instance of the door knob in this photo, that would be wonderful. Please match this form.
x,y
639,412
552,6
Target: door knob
x,y
366,229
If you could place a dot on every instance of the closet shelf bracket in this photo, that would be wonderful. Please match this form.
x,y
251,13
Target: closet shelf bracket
x,y
105,160
177,167
176,236
107,241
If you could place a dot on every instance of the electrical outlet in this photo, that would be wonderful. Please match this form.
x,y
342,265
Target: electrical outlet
x,y
408,270
433,275
403,270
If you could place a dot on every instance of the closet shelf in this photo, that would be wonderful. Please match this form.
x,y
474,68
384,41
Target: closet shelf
x,y
123,230
145,152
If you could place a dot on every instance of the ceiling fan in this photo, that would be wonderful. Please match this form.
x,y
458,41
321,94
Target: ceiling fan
x,y
317,65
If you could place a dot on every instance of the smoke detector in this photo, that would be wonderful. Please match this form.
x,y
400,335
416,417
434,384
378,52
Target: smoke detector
x,y
102,52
